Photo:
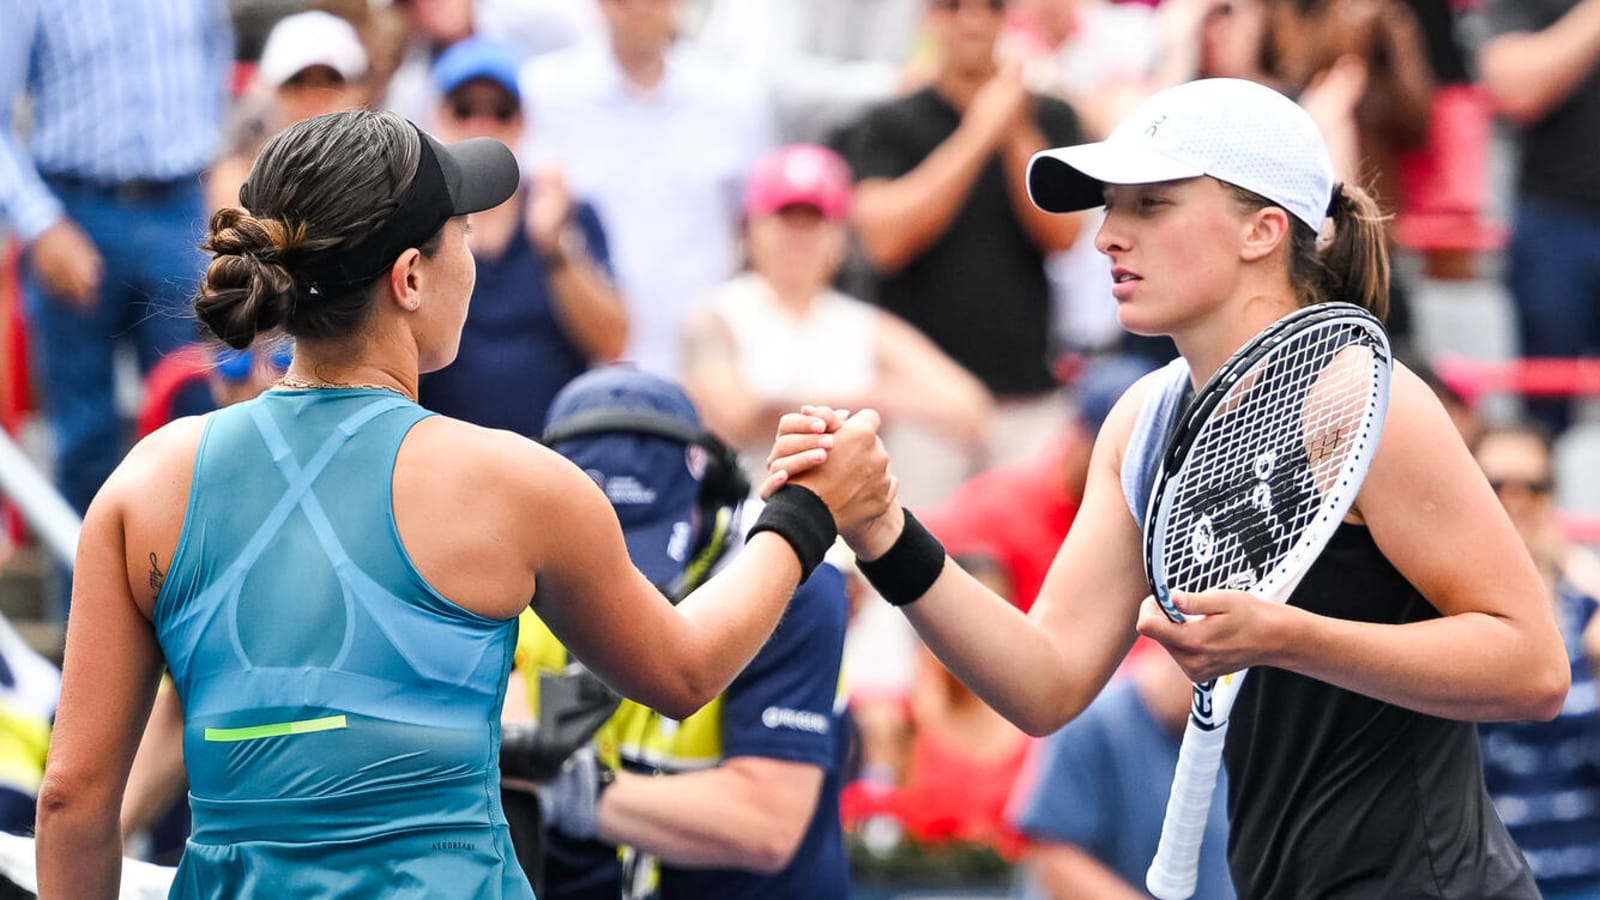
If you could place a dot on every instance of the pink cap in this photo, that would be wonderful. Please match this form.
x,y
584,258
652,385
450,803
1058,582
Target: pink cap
x,y
799,174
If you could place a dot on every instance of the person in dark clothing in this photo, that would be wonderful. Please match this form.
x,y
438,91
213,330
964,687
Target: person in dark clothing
x,y
1352,758
958,248
1542,69
544,307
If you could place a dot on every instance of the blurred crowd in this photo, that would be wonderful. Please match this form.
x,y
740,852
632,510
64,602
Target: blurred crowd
x,y
773,202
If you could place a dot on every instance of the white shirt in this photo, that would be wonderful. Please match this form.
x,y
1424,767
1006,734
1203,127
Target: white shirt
x,y
665,170
829,351
825,61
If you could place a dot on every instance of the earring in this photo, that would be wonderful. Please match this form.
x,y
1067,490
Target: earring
x,y
415,305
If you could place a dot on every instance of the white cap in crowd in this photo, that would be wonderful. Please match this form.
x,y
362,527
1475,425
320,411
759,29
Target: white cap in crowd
x,y
1233,130
308,39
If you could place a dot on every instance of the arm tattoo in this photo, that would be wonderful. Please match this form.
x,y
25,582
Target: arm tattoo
x,y
156,575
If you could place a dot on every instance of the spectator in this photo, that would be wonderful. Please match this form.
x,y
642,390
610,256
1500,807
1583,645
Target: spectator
x,y
313,63
1021,513
825,61
543,306
1101,57
659,138
964,756
1445,204
29,686
739,800
1541,69
1306,38
1093,817
1232,38
127,101
944,216
199,378
1361,68
431,27
1544,777
777,335
961,759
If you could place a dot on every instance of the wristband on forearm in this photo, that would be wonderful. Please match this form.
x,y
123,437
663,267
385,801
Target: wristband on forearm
x,y
911,566
800,517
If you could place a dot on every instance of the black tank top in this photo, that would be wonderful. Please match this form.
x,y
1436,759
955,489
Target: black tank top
x,y
1332,794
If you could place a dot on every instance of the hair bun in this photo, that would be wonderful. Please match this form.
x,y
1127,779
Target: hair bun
x,y
247,289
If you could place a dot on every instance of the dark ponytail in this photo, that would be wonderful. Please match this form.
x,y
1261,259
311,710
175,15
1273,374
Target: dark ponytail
x,y
1352,265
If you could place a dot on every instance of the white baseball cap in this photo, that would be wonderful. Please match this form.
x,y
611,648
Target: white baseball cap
x,y
1233,130
308,39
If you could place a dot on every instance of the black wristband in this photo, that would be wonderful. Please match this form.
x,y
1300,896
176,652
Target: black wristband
x,y
911,566
800,517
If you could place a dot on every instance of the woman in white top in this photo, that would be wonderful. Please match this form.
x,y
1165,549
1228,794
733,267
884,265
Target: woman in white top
x,y
778,333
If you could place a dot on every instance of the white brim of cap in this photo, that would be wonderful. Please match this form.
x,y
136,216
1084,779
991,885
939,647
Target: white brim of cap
x,y
1068,179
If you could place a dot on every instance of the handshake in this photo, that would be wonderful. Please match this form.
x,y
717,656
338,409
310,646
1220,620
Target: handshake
x,y
557,753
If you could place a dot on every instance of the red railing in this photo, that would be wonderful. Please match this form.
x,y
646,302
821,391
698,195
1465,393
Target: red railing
x,y
1530,377
15,395
1549,377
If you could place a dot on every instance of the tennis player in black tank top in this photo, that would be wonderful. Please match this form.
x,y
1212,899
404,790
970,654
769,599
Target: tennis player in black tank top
x,y
1380,801
1352,762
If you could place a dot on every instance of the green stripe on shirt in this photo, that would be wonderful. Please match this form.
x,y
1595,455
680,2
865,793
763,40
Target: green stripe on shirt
x,y
278,729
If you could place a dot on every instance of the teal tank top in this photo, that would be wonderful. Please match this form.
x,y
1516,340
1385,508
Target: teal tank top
x,y
341,717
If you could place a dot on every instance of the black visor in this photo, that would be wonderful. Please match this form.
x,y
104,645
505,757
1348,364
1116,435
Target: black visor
x,y
451,180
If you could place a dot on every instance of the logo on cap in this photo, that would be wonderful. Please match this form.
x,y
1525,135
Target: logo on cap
x,y
697,460
1150,130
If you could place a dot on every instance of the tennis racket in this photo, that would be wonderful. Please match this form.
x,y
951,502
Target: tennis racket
x,y
1262,468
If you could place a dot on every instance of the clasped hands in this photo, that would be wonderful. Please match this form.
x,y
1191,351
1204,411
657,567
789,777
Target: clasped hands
x,y
838,455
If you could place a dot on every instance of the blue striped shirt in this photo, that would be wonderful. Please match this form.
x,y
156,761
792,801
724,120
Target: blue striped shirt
x,y
120,90
1545,776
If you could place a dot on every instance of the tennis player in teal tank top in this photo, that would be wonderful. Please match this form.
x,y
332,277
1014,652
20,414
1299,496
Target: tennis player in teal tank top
x,y
332,574
322,714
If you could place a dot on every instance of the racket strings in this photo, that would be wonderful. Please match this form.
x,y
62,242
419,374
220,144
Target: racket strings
x,y
1267,463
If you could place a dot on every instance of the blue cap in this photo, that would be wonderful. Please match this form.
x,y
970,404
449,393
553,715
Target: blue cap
x,y
1102,383
633,433
236,365
478,57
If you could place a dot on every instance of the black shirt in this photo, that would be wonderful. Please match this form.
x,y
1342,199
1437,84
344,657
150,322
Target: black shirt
x,y
978,291
1558,150
1332,794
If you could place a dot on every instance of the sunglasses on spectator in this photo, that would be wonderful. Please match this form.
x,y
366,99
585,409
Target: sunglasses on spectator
x,y
1536,487
318,76
500,112
950,6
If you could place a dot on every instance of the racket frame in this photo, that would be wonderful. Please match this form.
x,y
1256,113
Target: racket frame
x,y
1173,872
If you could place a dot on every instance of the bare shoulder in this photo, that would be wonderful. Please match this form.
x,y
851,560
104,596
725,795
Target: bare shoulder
x,y
159,464
503,462
1416,421
1422,460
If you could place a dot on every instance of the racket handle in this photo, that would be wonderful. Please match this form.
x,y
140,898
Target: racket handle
x,y
1175,869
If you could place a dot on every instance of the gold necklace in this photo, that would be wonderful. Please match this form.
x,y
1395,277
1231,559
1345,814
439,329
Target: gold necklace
x,y
300,384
